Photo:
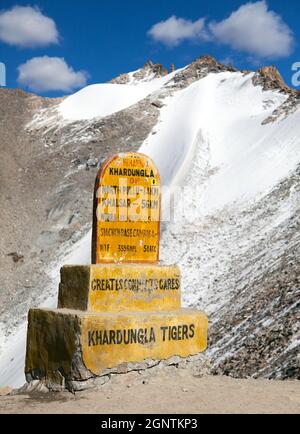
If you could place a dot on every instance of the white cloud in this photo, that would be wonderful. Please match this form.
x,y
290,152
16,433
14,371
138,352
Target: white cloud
x,y
255,29
42,74
174,30
26,26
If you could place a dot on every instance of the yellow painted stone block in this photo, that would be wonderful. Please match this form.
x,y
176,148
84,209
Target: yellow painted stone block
x,y
75,343
120,287
109,340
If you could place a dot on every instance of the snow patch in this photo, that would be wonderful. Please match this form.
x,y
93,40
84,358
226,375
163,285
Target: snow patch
x,y
99,100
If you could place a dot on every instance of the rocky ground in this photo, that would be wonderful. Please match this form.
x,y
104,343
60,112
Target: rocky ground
x,y
172,391
249,286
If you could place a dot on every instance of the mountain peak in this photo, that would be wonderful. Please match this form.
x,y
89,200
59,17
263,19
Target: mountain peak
x,y
200,68
147,72
210,62
270,79
150,70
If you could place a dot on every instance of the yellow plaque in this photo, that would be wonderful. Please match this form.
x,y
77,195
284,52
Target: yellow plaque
x,y
126,223
142,287
112,339
119,287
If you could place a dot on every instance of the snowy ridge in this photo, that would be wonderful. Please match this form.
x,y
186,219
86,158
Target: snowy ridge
x,y
101,100
241,149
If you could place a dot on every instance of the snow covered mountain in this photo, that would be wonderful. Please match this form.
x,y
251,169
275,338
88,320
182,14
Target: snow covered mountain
x,y
229,138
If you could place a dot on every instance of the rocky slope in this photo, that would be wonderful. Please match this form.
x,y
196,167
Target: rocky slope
x,y
239,258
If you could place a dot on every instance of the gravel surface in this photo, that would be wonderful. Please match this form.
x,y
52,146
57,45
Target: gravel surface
x,y
174,392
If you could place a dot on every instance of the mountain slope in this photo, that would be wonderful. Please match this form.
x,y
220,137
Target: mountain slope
x,y
231,138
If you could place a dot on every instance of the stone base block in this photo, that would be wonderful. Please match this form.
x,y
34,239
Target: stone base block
x,y
67,345
119,287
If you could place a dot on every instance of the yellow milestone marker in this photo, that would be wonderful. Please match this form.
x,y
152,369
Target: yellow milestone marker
x,y
125,307
126,210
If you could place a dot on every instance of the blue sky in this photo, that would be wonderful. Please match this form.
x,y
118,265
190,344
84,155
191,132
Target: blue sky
x,y
99,39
